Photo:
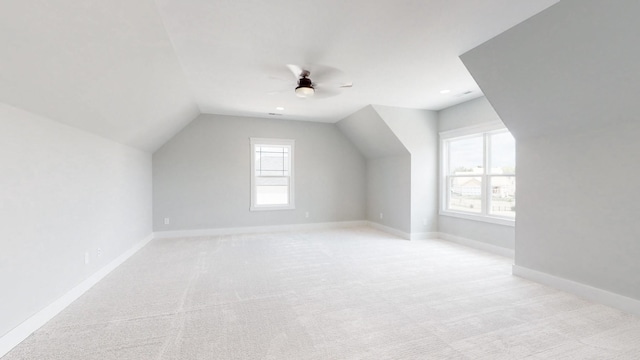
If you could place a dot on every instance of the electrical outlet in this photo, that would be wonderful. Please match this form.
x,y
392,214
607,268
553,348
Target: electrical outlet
x,y
381,215
99,252
166,221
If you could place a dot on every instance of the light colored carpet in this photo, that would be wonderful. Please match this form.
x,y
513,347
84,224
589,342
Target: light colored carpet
x,y
338,294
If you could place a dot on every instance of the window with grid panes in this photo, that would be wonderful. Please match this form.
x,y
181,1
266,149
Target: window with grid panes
x,y
272,174
479,179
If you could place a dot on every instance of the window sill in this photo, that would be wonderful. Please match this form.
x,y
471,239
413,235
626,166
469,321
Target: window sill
x,y
481,218
272,207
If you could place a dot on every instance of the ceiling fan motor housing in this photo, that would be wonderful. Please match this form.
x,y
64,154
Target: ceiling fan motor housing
x,y
305,87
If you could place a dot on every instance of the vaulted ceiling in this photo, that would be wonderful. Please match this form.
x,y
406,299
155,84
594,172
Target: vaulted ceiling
x,y
138,71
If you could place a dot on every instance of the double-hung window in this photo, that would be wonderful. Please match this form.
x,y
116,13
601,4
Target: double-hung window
x,y
272,174
479,174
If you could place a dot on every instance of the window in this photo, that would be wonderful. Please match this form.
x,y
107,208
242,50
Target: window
x,y
479,174
271,174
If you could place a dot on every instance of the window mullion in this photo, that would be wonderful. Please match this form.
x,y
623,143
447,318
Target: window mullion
x,y
485,177
458,190
448,177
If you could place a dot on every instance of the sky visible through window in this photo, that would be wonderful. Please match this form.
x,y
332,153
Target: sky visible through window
x,y
468,153
503,150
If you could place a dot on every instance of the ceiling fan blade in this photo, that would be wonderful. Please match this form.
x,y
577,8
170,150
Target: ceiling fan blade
x,y
324,74
333,85
296,70
323,93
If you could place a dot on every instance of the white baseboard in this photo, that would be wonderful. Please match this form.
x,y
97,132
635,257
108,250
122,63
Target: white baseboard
x,y
498,250
292,227
389,230
22,331
425,236
621,302
257,229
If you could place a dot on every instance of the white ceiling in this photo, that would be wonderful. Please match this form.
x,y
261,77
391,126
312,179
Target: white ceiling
x,y
396,53
138,71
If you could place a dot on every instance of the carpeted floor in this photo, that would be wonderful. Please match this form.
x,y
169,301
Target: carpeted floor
x,y
336,294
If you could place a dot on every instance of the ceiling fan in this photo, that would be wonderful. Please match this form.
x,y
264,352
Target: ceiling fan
x,y
307,88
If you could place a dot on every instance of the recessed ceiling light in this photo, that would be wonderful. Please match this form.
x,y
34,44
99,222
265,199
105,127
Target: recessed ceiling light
x,y
446,91
280,108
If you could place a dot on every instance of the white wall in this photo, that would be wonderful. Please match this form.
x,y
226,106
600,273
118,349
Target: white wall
x,y
63,192
201,177
472,113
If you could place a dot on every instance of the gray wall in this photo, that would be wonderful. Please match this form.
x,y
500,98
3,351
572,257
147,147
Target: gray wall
x,y
371,134
201,177
418,132
388,168
571,67
566,83
492,234
63,192
471,113
389,191
578,207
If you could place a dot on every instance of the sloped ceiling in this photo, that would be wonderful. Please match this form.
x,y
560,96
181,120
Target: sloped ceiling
x,y
573,67
138,71
107,67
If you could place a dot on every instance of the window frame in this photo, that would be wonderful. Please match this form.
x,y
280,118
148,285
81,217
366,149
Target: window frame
x,y
290,143
483,130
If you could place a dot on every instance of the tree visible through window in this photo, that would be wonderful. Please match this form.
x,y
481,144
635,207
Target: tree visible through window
x,y
479,174
271,174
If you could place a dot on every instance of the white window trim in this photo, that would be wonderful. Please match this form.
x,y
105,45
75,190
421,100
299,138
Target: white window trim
x,y
494,126
271,141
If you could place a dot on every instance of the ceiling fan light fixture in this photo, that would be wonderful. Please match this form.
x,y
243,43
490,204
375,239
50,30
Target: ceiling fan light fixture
x,y
303,91
305,88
